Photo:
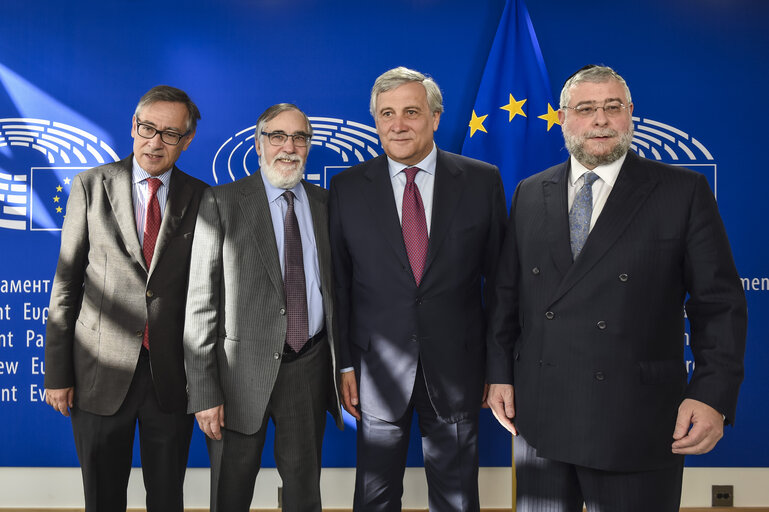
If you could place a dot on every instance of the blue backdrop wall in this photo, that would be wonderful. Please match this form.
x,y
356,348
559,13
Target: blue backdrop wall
x,y
72,72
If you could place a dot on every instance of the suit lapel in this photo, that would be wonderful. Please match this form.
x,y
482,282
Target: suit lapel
x,y
319,212
557,216
379,196
179,195
630,191
256,214
447,191
119,190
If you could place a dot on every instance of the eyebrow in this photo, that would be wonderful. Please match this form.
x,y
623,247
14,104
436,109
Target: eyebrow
x,y
168,129
607,100
300,132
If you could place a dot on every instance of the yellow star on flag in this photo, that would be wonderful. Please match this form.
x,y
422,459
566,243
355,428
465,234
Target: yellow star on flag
x,y
55,199
514,107
476,123
58,209
551,117
59,189
66,181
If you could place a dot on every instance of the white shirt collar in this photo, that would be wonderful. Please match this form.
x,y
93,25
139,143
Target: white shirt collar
x,y
608,172
427,164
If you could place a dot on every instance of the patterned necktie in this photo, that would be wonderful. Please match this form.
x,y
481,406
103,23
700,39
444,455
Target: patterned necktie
x,y
151,229
297,332
414,224
580,214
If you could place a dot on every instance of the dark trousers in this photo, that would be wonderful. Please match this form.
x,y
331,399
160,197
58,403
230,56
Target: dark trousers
x,y
545,485
105,448
450,452
297,407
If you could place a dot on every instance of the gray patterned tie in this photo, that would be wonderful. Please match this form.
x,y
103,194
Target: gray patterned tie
x,y
579,216
294,283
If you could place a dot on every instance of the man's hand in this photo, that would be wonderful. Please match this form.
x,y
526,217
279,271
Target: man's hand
x,y
501,400
211,421
60,399
707,427
349,386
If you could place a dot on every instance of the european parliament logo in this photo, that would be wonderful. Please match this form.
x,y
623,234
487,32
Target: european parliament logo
x,y
659,141
345,143
38,159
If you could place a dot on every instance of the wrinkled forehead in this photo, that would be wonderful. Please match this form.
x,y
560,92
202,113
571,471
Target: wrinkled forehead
x,y
597,92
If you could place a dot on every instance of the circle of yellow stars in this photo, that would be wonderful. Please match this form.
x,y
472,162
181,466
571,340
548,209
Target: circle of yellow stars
x,y
514,108
57,199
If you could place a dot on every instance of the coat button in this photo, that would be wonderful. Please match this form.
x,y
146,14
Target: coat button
x,y
601,324
414,338
599,376
623,277
419,300
150,293
282,311
139,334
535,271
276,355
549,315
516,356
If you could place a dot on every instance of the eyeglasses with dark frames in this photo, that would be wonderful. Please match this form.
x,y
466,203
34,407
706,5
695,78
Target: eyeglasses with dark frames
x,y
147,131
279,138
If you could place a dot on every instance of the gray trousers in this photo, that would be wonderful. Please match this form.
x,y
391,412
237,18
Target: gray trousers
x,y
297,408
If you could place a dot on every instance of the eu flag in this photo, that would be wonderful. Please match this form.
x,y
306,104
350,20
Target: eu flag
x,y
50,191
513,122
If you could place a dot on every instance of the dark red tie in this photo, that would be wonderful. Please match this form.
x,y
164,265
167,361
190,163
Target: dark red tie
x,y
414,224
297,331
151,229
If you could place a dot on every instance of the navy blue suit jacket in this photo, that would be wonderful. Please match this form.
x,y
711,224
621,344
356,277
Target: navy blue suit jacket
x,y
387,324
595,347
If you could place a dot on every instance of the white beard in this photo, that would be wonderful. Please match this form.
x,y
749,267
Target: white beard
x,y
285,179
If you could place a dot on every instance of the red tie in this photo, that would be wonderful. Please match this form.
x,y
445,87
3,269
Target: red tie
x,y
414,224
151,229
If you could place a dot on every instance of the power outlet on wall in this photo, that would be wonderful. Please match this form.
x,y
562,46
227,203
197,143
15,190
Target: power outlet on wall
x,y
723,496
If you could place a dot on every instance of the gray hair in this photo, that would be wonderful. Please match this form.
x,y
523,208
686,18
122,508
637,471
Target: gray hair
x,y
593,74
398,76
173,95
273,112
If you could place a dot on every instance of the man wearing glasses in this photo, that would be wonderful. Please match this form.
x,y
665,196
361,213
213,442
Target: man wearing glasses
x,y
259,339
586,342
113,350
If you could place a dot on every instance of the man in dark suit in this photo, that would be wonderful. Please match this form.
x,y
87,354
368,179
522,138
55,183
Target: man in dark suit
x,y
259,340
113,350
586,352
415,233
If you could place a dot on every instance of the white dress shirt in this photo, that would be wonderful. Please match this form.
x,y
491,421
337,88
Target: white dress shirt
x,y
602,187
425,182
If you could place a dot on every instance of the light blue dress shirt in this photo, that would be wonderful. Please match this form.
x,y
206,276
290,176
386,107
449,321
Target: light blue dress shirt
x,y
278,207
141,192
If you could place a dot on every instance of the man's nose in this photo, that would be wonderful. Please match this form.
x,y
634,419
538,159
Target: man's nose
x,y
398,124
600,118
156,141
289,146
